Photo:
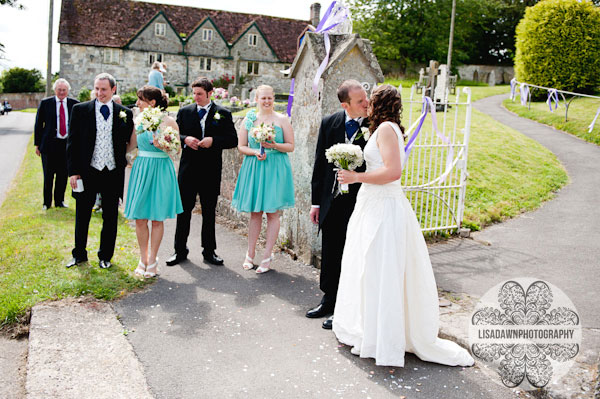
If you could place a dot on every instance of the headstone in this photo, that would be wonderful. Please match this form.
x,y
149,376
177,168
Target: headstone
x,y
244,95
440,85
492,78
351,57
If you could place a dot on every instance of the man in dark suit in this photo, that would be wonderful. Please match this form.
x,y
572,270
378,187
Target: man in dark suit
x,y
206,129
331,210
51,129
96,146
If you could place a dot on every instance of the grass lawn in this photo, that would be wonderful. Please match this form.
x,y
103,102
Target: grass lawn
x,y
581,114
28,110
35,245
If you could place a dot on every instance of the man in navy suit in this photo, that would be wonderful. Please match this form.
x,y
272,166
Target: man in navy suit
x,y
51,130
96,147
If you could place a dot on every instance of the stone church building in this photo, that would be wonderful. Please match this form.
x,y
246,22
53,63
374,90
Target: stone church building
x,y
124,38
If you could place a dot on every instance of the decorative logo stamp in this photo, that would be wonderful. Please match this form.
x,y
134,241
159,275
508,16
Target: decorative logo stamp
x,y
526,332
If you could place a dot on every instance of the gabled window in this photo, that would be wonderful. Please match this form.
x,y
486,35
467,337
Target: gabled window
x,y
252,39
205,64
111,55
154,57
252,68
207,35
160,29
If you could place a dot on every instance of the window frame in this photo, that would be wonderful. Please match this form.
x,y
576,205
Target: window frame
x,y
207,34
110,54
158,26
205,64
252,39
154,56
253,68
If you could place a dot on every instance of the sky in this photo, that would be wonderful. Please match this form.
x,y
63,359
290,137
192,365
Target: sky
x,y
24,33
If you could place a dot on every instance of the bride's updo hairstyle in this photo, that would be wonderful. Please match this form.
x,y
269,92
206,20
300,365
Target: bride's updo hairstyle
x,y
149,93
385,105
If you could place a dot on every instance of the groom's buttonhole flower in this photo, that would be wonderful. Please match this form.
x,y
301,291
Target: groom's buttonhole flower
x,y
217,116
123,115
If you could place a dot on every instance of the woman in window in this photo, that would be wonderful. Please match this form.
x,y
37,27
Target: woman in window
x,y
265,182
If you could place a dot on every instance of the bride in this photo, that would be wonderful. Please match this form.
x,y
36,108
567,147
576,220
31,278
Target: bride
x,y
387,301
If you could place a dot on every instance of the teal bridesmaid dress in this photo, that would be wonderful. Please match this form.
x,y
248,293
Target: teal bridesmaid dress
x,y
268,185
153,192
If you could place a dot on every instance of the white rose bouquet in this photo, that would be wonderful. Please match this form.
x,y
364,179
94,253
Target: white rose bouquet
x,y
345,156
149,119
262,134
167,139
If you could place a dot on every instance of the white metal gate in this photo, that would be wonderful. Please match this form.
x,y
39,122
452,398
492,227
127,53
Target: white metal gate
x,y
434,184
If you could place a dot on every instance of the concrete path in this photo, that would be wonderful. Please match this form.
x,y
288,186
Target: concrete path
x,y
15,131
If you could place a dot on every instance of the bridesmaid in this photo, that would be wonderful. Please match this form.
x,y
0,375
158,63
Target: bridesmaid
x,y
153,192
265,182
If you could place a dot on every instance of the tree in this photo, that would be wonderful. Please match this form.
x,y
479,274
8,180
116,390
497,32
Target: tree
x,y
21,80
558,45
12,3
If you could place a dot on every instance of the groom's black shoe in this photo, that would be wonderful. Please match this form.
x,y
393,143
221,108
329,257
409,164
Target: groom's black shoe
x,y
328,324
212,258
176,258
321,310
74,261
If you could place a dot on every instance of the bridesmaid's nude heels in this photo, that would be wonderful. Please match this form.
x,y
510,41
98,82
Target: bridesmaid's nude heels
x,y
248,265
140,269
152,273
263,269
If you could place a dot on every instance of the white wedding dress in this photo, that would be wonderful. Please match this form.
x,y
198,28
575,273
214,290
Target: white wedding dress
x,y
387,302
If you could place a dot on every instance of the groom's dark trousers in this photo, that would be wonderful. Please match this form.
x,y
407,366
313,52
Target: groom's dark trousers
x,y
335,211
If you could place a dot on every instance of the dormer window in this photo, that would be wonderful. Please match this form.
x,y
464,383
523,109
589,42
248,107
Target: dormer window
x,y
160,29
207,35
252,40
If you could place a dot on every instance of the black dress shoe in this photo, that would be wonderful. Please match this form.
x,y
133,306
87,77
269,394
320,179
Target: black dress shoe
x,y
328,324
213,259
321,310
105,264
176,259
74,261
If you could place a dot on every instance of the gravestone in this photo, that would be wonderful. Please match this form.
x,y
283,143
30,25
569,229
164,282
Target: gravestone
x,y
351,57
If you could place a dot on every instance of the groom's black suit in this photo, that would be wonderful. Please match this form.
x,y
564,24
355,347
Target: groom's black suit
x,y
200,172
334,212
81,143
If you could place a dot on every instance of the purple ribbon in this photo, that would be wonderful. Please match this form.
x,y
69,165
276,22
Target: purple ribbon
x,y
591,126
552,96
291,98
524,94
513,88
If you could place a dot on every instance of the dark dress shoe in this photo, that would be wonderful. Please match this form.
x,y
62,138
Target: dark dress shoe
x,y
105,264
62,205
176,259
74,261
328,324
213,259
321,310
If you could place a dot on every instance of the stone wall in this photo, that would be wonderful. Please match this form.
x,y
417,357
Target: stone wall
x,y
489,74
217,47
260,52
22,100
147,40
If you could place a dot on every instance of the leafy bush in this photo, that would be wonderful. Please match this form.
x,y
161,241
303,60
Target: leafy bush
x,y
558,45
170,91
176,100
21,80
224,81
129,97
84,95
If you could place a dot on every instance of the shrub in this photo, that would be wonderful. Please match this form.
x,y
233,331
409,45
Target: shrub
x,y
224,81
170,91
21,80
130,97
558,45
84,95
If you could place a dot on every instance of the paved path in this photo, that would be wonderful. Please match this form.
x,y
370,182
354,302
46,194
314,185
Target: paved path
x,y
15,131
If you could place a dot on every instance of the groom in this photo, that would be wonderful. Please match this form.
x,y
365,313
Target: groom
x,y
206,129
331,211
99,132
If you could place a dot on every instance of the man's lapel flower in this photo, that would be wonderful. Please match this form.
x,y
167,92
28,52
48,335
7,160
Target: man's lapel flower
x,y
217,116
123,116
365,132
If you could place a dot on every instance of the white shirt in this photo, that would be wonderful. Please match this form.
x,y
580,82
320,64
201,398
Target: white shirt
x,y
203,120
58,118
104,152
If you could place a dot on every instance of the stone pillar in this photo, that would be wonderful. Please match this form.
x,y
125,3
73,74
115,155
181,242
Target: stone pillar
x,y
315,14
351,57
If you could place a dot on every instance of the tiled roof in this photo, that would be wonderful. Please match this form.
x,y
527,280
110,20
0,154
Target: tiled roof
x,y
113,23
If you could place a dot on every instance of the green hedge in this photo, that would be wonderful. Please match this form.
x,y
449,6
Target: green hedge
x,y
558,45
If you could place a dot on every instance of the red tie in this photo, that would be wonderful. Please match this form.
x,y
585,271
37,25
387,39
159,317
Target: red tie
x,y
63,123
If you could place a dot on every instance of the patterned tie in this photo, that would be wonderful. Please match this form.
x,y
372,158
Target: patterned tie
x,y
351,128
105,111
201,113
62,129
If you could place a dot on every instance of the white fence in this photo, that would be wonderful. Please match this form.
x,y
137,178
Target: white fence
x,y
434,184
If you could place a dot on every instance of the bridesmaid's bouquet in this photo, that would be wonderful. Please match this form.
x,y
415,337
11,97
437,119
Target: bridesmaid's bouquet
x,y
149,119
345,156
167,139
262,134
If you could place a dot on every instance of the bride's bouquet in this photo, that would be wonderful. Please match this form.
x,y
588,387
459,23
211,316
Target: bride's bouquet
x,y
345,156
167,139
149,119
262,134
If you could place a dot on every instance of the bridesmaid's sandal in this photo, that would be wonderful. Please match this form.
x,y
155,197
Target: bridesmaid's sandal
x,y
140,269
248,265
263,269
152,270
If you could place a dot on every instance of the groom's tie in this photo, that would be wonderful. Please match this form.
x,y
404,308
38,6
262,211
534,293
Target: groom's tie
x,y
201,113
351,128
105,111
